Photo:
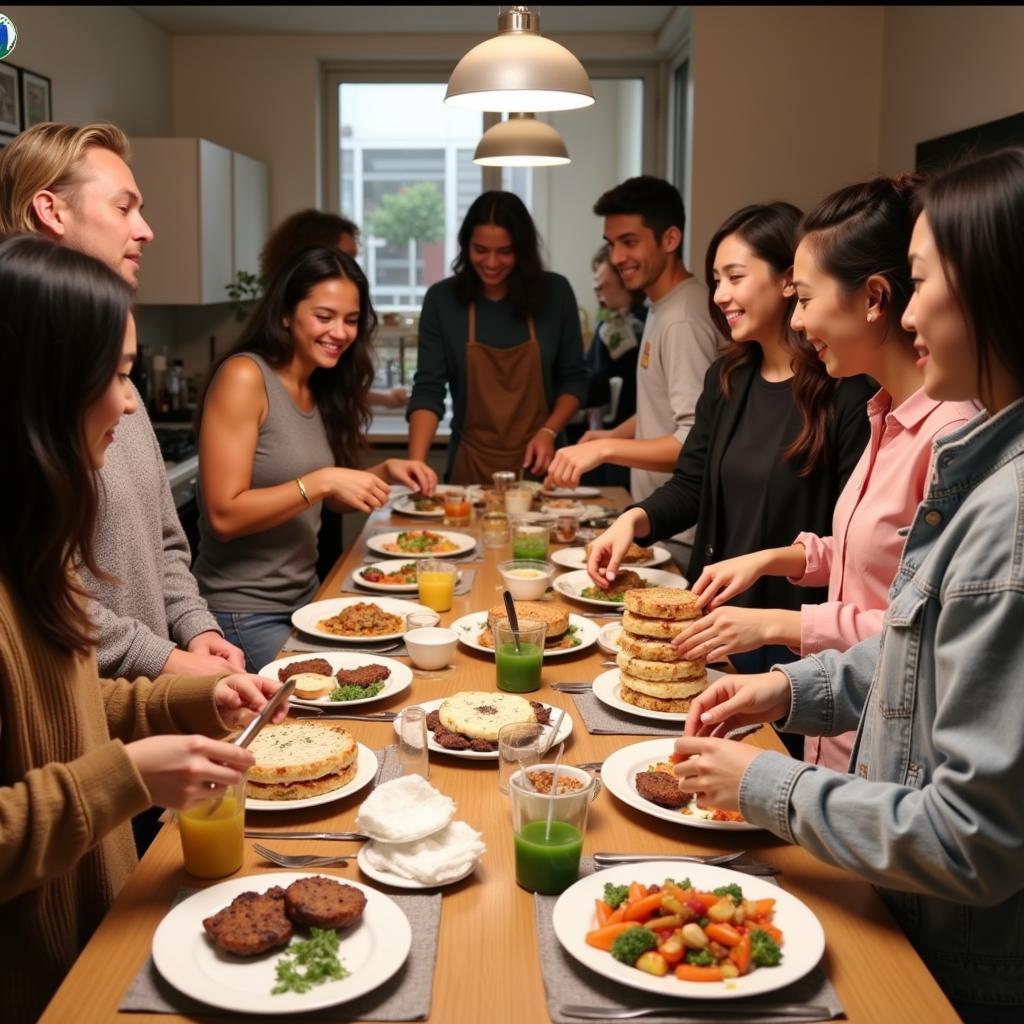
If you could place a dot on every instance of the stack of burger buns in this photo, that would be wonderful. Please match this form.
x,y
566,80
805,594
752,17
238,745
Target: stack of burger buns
x,y
554,615
299,758
652,675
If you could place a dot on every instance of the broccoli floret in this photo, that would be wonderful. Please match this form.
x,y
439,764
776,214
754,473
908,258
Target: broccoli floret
x,y
615,894
700,958
732,890
764,950
703,921
684,884
632,944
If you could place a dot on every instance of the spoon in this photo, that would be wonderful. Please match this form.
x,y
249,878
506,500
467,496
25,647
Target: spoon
x,y
513,619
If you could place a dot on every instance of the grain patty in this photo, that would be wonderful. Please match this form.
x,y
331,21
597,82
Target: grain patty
x,y
324,903
662,789
365,675
317,666
251,924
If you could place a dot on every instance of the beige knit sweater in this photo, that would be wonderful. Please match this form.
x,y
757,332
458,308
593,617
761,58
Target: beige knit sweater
x,y
67,793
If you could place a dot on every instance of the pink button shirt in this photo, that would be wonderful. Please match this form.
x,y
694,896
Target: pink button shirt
x,y
859,560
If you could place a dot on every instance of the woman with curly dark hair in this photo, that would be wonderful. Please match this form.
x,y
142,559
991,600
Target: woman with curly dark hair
x,y
280,422
503,335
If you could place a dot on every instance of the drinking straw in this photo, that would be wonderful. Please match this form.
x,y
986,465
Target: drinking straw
x,y
554,732
554,793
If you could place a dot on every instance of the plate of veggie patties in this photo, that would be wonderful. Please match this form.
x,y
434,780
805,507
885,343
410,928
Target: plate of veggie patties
x,y
580,587
281,942
333,679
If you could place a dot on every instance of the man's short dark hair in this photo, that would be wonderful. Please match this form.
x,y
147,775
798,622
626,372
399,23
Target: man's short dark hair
x,y
656,200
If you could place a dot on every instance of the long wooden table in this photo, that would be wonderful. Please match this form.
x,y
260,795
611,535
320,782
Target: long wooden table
x,y
487,964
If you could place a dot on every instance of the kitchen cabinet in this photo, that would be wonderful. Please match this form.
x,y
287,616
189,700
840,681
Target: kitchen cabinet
x,y
208,208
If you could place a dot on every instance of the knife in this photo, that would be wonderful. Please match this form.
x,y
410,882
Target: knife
x,y
706,1012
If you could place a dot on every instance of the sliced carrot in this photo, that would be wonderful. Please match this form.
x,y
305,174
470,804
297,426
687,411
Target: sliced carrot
x,y
602,938
723,933
705,899
691,972
764,907
642,908
772,931
740,954
636,892
617,914
603,912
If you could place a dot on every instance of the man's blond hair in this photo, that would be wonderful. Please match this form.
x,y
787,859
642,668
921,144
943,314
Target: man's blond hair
x,y
48,156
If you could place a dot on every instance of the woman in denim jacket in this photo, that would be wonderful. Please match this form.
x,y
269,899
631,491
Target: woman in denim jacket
x,y
933,814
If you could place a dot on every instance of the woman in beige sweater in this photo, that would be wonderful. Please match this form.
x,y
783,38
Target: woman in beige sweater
x,y
79,756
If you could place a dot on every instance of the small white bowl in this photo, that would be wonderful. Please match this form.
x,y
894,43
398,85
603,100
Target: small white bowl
x,y
431,647
527,587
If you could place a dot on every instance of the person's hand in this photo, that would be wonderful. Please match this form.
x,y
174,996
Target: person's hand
x,y
414,474
724,631
539,452
189,663
607,550
241,696
595,435
569,464
737,701
178,770
713,769
214,645
721,581
355,488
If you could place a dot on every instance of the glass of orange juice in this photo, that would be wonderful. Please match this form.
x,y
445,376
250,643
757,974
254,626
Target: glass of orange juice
x,y
212,833
436,581
457,509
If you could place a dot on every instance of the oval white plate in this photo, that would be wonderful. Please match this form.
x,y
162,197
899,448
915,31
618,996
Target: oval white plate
x,y
392,565
576,558
307,617
373,951
400,881
463,541
406,506
468,627
399,680
572,492
804,937
608,637
620,769
366,769
570,584
564,731
607,689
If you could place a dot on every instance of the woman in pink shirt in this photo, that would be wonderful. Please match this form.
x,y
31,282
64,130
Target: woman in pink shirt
x,y
852,283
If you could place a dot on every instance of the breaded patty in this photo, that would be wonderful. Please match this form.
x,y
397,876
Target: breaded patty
x,y
365,675
664,603
660,671
318,666
662,789
324,903
647,648
648,625
673,706
251,924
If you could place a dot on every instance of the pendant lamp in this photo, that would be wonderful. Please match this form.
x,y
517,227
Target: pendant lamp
x,y
519,70
521,141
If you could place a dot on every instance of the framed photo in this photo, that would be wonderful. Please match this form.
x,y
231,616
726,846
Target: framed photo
x,y
10,103
36,106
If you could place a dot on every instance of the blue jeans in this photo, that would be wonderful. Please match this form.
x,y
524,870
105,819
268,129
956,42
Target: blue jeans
x,y
260,635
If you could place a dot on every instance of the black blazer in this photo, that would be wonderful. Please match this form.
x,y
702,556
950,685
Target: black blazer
x,y
793,503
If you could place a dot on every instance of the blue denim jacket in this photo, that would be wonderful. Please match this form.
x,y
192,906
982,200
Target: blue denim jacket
x,y
933,812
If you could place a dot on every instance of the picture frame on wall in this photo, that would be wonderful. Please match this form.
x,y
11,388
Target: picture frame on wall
x,y
36,101
10,102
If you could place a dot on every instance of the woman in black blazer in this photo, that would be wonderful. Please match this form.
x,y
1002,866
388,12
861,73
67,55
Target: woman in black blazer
x,y
774,437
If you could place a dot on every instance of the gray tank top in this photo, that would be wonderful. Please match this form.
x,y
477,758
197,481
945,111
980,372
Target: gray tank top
x,y
272,571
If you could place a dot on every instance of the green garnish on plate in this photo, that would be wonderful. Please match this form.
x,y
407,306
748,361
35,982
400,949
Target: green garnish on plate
x,y
310,962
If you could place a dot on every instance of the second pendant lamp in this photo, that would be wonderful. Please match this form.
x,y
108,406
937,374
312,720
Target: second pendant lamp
x,y
521,141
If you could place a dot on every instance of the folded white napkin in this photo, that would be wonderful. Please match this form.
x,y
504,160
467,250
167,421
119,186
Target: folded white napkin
x,y
439,858
404,810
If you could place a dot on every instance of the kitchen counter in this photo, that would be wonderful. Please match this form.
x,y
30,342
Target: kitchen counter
x,y
391,428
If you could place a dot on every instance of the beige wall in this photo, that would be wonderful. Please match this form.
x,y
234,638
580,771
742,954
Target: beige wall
x,y
104,63
787,103
946,69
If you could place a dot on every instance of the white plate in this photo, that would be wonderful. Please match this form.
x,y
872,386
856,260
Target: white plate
x,y
366,769
607,690
570,584
372,951
572,492
608,637
400,881
564,730
406,504
620,769
463,543
307,617
804,938
468,627
399,680
386,588
576,558
586,511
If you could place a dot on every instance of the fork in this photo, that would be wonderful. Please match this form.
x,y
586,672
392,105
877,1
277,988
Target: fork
x,y
571,687
298,860
594,766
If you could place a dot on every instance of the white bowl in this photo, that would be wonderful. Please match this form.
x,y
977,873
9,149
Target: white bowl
x,y
528,587
431,647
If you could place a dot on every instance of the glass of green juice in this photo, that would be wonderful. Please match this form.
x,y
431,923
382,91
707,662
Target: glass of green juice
x,y
548,825
518,664
530,540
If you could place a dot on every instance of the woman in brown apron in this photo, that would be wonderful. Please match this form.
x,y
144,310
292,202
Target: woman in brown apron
x,y
516,385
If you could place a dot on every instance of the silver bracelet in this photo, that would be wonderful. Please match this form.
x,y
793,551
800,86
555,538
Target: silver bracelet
x,y
553,433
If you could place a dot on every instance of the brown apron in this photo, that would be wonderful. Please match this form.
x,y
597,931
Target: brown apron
x,y
505,406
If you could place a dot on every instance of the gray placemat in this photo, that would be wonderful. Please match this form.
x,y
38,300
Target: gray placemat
x,y
297,644
601,720
462,587
404,996
567,981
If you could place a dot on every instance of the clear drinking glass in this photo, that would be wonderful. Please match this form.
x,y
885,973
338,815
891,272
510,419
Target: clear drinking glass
x,y
420,620
494,529
457,509
436,581
212,842
503,480
413,753
518,664
519,746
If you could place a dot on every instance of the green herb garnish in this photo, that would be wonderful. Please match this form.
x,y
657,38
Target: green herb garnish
x,y
318,955
343,693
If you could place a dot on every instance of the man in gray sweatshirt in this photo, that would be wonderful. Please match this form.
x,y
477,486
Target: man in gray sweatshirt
x,y
73,185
